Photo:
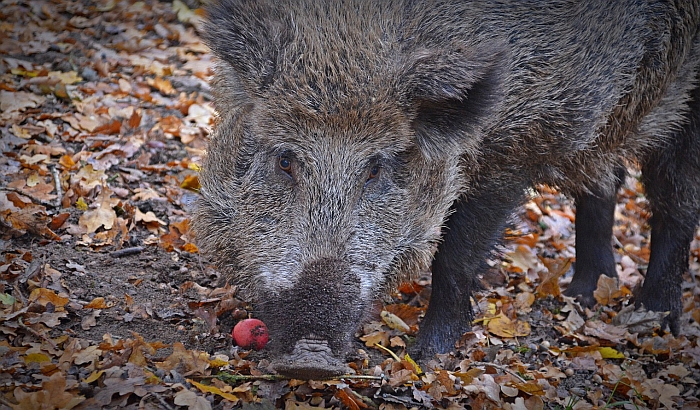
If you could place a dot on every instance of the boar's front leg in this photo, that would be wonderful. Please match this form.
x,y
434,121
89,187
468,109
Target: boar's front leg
x,y
595,216
475,225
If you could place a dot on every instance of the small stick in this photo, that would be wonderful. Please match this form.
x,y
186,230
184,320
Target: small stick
x,y
127,252
57,184
162,400
501,368
35,333
635,258
20,295
386,349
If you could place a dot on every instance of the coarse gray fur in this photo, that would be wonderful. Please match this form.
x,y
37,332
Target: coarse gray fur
x,y
452,102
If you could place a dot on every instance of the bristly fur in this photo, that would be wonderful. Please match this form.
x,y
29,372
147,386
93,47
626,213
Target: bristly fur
x,y
461,106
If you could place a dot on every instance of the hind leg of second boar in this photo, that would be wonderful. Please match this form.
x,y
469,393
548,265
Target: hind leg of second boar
x,y
672,182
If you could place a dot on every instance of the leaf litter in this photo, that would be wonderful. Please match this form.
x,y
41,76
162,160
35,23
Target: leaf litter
x,y
106,303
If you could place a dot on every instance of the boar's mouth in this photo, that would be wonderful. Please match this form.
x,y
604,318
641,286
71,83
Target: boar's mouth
x,y
311,359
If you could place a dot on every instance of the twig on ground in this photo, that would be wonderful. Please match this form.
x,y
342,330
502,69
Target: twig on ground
x,y
127,252
162,401
57,185
634,257
35,333
501,368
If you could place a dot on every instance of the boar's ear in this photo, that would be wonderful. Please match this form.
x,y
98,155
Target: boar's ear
x,y
248,36
452,94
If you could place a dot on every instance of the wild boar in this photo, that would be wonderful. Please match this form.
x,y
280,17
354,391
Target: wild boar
x,y
360,142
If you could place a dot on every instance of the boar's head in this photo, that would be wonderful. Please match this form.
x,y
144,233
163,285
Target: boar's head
x,y
342,137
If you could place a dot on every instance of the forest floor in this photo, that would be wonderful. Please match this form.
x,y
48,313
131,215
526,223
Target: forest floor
x,y
105,301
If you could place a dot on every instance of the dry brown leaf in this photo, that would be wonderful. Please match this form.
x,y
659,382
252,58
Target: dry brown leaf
x,y
89,320
44,296
656,389
607,291
605,331
523,301
502,326
53,395
50,319
88,178
191,400
378,337
18,101
185,361
102,216
90,355
549,279
523,258
639,320
394,322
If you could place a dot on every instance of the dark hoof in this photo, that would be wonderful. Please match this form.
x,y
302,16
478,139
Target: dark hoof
x,y
657,304
586,300
582,290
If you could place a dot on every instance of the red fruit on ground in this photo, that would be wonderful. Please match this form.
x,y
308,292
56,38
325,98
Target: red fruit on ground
x,y
250,334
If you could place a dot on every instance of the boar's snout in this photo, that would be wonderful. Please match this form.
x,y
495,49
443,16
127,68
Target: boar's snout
x,y
310,359
312,322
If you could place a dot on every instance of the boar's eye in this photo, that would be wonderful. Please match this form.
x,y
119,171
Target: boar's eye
x,y
285,164
373,172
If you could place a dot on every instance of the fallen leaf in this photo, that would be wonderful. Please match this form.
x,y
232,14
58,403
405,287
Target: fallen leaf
x,y
376,338
607,291
53,395
18,101
44,296
639,320
191,400
502,326
102,216
215,390
394,322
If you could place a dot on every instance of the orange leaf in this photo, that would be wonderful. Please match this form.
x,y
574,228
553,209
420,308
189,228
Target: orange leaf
x,y
409,314
110,128
349,400
134,120
190,247
410,287
58,220
44,296
98,303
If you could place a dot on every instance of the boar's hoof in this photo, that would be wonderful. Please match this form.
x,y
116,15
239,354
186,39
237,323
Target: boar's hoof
x,y
311,359
584,298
